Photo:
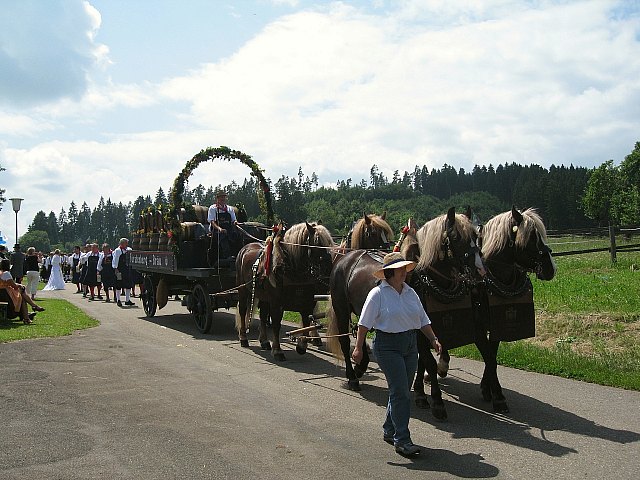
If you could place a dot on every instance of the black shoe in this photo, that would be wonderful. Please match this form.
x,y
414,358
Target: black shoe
x,y
129,303
388,439
100,297
119,303
408,450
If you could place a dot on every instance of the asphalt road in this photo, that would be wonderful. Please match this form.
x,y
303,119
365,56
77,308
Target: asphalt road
x,y
152,398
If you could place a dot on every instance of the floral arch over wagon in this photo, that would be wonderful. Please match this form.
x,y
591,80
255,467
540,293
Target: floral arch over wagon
x,y
219,153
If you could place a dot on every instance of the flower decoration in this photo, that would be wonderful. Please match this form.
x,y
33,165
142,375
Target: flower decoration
x,y
211,153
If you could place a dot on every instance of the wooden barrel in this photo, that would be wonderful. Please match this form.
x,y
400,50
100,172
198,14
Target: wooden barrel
x,y
189,230
162,242
144,242
135,242
153,242
202,213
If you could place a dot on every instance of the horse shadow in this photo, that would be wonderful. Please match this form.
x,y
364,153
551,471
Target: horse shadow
x,y
471,417
317,362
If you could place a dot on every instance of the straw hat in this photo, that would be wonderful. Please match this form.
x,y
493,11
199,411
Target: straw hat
x,y
393,260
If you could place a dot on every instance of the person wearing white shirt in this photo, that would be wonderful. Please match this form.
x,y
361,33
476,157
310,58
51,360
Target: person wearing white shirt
x,y
83,268
222,224
74,260
124,277
394,309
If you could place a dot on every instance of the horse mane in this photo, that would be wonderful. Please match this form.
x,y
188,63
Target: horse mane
x,y
297,237
357,235
497,231
430,237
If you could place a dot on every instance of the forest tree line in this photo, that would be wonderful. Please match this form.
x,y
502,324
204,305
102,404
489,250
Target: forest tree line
x,y
567,197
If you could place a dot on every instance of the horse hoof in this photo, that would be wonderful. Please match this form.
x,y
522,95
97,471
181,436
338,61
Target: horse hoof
x,y
279,356
316,342
422,402
443,368
486,393
353,385
301,349
244,343
500,406
439,412
265,346
359,370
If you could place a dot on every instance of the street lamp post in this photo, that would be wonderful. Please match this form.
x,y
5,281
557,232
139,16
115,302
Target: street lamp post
x,y
15,202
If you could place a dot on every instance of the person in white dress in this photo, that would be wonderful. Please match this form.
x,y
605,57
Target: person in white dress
x,y
56,281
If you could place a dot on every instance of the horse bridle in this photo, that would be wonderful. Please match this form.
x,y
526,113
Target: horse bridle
x,y
536,260
315,268
368,229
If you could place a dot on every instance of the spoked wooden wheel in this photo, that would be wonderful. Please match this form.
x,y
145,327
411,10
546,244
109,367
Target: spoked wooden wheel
x,y
202,313
149,297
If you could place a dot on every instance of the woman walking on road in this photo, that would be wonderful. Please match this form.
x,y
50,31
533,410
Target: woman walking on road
x,y
395,311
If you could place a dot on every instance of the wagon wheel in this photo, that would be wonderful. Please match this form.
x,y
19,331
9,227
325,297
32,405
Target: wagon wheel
x,y
202,313
149,297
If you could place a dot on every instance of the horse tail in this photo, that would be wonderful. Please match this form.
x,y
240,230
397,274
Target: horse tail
x,y
333,330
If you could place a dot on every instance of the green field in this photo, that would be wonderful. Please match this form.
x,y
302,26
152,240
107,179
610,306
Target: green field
x,y
59,318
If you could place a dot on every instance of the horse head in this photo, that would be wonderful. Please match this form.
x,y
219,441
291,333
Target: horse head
x,y
372,232
448,243
519,239
320,248
532,252
459,242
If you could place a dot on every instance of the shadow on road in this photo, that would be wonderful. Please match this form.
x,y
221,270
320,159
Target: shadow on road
x,y
468,465
469,416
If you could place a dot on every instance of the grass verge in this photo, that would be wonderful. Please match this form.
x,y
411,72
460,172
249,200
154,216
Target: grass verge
x,y
60,318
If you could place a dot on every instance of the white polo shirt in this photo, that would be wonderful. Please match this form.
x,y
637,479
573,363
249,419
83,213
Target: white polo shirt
x,y
389,311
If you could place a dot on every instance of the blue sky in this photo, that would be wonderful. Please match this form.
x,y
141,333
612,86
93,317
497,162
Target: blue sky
x,y
111,97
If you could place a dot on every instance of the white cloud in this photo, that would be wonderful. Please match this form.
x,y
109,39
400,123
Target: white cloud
x,y
48,49
337,89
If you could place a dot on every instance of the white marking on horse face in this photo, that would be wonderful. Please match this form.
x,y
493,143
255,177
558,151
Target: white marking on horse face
x,y
384,237
478,260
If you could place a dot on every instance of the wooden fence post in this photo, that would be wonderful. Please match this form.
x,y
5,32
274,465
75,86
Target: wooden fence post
x,y
612,240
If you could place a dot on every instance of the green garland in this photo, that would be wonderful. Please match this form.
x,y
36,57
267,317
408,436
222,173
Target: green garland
x,y
210,153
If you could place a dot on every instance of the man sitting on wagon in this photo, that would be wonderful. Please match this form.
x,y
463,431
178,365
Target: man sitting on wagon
x,y
222,224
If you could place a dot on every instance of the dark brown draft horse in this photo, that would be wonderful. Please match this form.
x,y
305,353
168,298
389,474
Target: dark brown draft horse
x,y
514,244
350,282
301,260
447,255
369,232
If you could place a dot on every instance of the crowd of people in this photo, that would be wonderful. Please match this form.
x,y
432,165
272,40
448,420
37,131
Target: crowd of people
x,y
99,273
